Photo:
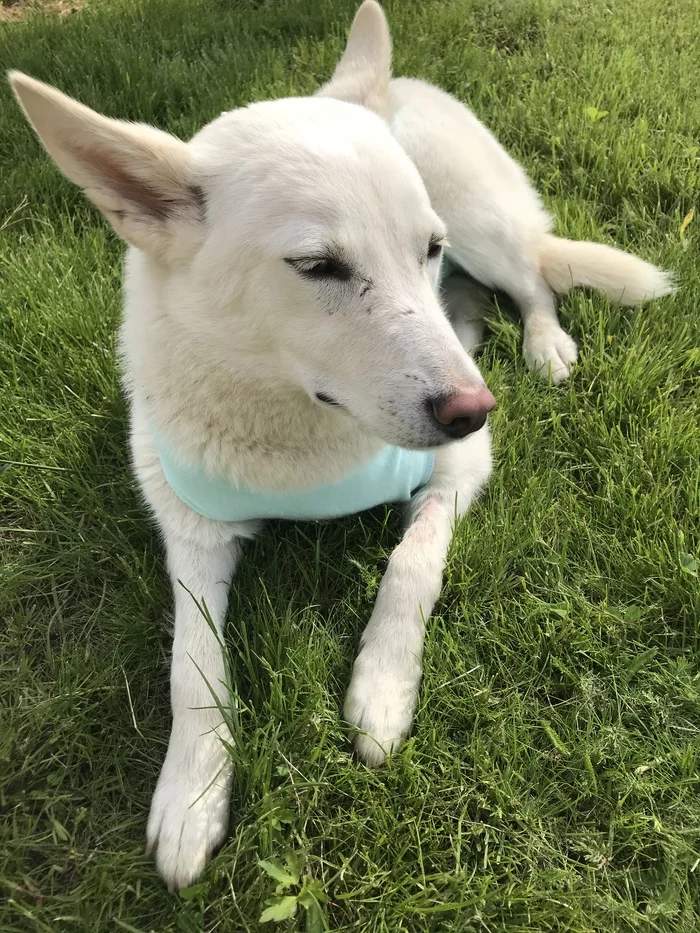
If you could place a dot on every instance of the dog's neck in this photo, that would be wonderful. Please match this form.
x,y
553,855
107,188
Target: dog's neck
x,y
252,427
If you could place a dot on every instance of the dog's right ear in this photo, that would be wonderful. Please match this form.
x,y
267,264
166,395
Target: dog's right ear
x,y
362,74
139,177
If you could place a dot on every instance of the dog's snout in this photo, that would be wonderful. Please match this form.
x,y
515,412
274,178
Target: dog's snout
x,y
462,413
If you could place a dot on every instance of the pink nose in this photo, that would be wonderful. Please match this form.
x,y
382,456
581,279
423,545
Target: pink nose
x,y
463,412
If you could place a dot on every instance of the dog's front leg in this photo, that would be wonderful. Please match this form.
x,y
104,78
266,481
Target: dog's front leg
x,y
189,811
387,673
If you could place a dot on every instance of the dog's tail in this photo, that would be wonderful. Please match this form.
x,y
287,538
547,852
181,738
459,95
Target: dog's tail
x,y
626,279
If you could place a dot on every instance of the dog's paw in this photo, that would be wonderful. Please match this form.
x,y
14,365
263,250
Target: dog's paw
x,y
380,704
550,352
188,821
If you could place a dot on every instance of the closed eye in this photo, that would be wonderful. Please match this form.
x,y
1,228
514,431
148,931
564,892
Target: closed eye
x,y
321,267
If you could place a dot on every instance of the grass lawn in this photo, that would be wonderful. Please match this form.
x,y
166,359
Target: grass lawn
x,y
551,782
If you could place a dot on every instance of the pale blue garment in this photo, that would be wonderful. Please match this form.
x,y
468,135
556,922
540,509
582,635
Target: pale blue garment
x,y
392,476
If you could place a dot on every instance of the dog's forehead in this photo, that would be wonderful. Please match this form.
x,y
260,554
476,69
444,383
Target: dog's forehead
x,y
304,140
317,165
318,122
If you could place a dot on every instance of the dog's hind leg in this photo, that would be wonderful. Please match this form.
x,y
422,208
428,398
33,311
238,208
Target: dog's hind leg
x,y
496,222
466,304
547,348
383,690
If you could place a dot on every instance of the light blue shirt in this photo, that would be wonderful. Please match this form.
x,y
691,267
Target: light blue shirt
x,y
392,476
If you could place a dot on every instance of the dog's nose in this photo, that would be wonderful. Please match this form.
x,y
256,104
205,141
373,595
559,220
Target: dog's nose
x,y
464,412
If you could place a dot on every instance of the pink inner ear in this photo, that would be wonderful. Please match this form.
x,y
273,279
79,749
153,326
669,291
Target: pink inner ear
x,y
125,185
122,183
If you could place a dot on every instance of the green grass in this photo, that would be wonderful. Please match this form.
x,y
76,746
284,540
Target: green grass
x,y
551,782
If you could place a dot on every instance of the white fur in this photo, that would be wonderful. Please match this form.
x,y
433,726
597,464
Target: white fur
x,y
226,346
498,229
189,813
626,279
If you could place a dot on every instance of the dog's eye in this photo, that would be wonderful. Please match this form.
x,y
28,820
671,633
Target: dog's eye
x,y
434,248
326,268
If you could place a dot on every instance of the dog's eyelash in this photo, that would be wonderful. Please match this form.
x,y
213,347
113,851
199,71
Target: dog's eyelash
x,y
326,267
435,247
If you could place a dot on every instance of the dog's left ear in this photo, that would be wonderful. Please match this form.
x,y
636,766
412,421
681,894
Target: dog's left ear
x,y
362,74
142,179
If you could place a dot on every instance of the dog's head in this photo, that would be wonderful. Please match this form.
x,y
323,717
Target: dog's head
x,y
295,238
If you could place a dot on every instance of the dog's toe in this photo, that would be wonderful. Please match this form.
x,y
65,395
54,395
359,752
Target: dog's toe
x,y
185,826
379,706
371,751
551,353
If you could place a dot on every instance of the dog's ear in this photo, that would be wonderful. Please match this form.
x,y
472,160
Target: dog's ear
x,y
362,74
139,177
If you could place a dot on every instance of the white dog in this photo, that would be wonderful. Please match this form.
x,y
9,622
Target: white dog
x,y
283,332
